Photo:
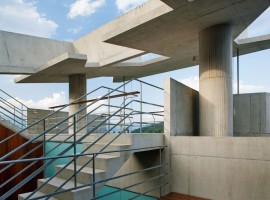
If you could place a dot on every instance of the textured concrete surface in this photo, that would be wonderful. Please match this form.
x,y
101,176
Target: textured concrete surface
x,y
17,50
145,29
181,108
34,115
221,167
251,114
216,95
139,161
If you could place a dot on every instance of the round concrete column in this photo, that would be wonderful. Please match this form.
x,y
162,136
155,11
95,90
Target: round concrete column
x,y
77,88
216,98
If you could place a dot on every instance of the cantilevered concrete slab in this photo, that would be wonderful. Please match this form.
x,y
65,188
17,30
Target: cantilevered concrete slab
x,y
168,28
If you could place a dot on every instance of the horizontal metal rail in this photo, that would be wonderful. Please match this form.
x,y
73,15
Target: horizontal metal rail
x,y
91,100
52,160
130,186
102,181
41,134
13,98
144,193
149,84
11,106
79,155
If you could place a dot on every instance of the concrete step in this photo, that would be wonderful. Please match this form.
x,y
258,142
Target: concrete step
x,y
112,147
103,161
37,194
123,139
55,183
6,122
84,176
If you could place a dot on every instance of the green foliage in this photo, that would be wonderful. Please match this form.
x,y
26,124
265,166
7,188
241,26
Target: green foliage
x,y
153,128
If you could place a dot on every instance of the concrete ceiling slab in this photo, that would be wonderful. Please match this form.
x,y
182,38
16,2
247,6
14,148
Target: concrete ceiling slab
x,y
169,28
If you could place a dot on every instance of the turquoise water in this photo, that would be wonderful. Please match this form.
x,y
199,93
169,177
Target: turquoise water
x,y
120,195
49,146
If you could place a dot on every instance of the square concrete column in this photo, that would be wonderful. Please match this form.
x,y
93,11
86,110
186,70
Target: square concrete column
x,y
77,88
216,95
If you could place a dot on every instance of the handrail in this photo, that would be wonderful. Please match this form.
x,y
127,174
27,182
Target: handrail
x,y
15,116
91,100
42,119
109,179
148,84
10,105
78,155
13,98
45,165
11,119
43,133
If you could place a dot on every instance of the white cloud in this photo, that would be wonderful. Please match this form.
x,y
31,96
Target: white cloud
x,y
127,5
55,100
193,82
21,16
75,30
84,8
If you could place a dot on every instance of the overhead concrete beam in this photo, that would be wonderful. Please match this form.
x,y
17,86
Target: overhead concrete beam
x,y
18,50
16,70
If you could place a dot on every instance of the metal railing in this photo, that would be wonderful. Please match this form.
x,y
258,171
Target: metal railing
x,y
121,111
160,166
12,110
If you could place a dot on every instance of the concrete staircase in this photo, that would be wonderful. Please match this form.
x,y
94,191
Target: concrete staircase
x,y
106,165
9,125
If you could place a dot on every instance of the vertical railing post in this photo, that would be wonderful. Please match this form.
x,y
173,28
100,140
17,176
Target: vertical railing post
x,y
141,93
44,146
94,177
22,116
75,151
238,82
124,105
160,173
14,116
109,110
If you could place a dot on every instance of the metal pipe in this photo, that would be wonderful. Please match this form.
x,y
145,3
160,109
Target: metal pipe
x,y
75,150
94,177
141,107
237,50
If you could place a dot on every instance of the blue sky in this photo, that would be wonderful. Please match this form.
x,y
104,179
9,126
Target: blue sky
x,y
70,19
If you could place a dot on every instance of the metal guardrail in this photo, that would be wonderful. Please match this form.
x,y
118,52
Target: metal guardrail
x,y
122,113
8,111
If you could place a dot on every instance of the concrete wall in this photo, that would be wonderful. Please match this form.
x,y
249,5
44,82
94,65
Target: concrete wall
x,y
221,167
252,114
33,115
181,108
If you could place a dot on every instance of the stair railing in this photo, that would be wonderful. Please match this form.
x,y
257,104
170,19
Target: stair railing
x,y
74,134
92,144
43,134
17,115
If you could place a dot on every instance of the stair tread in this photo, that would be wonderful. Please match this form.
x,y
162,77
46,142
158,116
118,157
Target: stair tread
x,y
37,194
113,144
104,156
87,170
59,181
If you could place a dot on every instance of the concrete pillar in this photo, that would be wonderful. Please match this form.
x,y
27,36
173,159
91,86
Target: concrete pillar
x,y
216,95
77,88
